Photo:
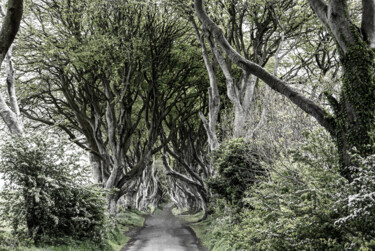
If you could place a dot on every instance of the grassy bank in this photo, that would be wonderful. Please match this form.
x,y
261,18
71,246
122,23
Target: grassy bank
x,y
201,229
115,239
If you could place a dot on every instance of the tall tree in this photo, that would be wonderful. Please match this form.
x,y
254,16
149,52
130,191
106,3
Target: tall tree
x,y
353,120
109,74
11,23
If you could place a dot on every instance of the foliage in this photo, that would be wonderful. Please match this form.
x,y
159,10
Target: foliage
x,y
124,222
114,237
238,166
304,205
359,205
45,198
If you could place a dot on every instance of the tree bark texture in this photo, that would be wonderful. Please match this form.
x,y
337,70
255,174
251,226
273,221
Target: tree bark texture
x,y
9,29
352,124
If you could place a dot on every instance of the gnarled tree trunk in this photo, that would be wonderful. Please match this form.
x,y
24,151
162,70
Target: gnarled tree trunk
x,y
353,123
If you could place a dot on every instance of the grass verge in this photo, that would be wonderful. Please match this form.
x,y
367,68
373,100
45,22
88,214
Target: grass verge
x,y
202,229
116,238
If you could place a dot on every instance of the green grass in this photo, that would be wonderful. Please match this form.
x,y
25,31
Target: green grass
x,y
130,218
192,218
118,239
205,232
115,241
126,221
202,229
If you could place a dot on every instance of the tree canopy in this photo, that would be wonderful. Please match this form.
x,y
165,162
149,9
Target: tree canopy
x,y
256,110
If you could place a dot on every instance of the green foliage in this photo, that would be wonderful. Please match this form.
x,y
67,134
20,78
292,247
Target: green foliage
x,y
304,205
45,198
114,237
359,205
239,167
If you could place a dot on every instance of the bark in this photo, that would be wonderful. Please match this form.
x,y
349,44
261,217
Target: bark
x,y
10,118
352,124
275,83
96,169
112,203
9,29
368,22
213,94
10,26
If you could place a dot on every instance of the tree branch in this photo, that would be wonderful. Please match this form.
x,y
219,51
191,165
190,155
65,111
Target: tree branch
x,y
11,24
321,10
368,22
307,105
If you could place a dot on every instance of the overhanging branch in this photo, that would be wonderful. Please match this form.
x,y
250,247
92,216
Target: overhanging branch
x,y
307,105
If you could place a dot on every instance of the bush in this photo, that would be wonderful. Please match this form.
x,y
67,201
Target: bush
x,y
305,204
238,166
358,206
46,200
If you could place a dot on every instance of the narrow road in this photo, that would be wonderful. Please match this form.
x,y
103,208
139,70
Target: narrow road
x,y
164,232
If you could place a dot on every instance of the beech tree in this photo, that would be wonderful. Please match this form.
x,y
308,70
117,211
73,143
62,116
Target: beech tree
x,y
351,123
109,75
188,166
10,112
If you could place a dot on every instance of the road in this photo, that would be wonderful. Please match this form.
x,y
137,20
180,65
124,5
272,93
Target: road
x,y
164,232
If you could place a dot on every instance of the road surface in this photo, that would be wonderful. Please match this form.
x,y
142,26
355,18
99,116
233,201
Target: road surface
x,y
164,232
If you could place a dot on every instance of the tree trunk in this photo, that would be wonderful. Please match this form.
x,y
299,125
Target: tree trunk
x,y
112,203
353,123
355,113
213,93
96,169
9,29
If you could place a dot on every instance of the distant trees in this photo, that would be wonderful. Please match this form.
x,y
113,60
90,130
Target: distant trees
x,y
185,160
352,122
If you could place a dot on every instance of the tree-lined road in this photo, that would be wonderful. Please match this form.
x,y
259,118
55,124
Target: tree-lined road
x,y
164,232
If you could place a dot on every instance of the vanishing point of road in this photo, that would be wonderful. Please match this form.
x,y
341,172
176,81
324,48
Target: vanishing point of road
x,y
164,232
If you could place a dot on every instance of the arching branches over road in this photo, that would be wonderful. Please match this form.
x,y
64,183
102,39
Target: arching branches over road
x,y
185,160
352,124
264,32
109,74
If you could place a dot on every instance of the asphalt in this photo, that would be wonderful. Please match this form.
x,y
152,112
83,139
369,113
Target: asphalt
x,y
164,232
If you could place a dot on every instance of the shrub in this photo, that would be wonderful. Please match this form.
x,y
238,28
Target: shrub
x,y
307,205
45,198
238,166
358,218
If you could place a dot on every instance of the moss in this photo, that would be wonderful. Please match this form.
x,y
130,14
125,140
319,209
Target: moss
x,y
355,112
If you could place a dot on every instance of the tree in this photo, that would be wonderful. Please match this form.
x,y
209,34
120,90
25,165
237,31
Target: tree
x,y
352,122
109,75
11,23
189,168
46,197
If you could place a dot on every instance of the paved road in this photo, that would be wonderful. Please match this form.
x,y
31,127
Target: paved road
x,y
164,232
